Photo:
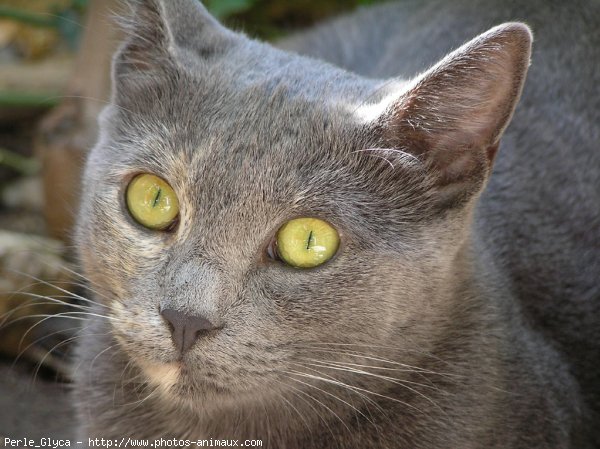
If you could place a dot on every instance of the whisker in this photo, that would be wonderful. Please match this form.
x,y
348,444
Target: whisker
x,y
4,317
77,316
343,401
383,158
38,340
63,315
379,359
299,391
66,284
136,404
344,365
99,100
281,396
390,379
98,355
87,280
363,397
48,353
54,299
69,372
363,390
129,381
370,346
316,400
67,292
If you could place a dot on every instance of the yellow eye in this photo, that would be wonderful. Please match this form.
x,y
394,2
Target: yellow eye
x,y
152,202
307,242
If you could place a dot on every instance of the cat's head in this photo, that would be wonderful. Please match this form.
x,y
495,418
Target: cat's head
x,y
249,138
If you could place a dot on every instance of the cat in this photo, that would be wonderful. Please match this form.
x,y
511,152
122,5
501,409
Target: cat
x,y
455,299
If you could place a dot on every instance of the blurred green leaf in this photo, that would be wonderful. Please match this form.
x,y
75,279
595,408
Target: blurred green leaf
x,y
67,23
28,99
79,5
23,165
224,8
26,17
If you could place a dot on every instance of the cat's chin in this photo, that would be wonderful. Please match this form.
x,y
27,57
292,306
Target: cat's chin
x,y
173,380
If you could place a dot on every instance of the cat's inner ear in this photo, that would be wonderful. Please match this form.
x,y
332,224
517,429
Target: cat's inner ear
x,y
452,116
162,33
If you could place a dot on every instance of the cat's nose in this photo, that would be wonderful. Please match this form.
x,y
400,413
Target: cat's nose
x,y
185,329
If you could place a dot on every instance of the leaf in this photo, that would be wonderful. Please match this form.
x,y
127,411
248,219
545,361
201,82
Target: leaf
x,y
224,8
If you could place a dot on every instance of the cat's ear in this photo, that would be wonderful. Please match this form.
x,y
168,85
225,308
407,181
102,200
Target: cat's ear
x,y
452,116
161,34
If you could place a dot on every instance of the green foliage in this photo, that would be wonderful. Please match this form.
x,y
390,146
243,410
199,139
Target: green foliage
x,y
23,165
66,19
6,12
225,8
271,19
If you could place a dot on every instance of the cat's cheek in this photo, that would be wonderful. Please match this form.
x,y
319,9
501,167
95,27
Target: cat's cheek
x,y
142,335
97,275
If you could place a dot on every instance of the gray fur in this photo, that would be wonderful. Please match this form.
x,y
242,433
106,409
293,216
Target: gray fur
x,y
448,318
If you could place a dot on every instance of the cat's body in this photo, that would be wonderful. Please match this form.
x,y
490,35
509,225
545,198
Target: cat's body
x,y
424,331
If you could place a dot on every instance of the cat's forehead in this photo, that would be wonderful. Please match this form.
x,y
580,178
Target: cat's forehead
x,y
250,65
250,104
251,87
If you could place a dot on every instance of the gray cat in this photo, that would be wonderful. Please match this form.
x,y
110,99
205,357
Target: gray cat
x,y
303,252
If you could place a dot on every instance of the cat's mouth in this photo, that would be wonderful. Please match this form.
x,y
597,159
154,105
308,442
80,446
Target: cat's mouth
x,y
179,379
165,376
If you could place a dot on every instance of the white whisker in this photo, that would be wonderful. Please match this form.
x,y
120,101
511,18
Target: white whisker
x,y
342,384
395,381
316,400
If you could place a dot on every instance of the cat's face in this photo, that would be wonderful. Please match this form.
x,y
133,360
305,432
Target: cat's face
x,y
250,138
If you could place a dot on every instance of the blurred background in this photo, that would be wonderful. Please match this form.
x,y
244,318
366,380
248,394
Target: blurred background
x,y
54,80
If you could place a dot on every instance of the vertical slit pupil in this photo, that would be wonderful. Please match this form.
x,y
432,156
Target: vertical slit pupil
x,y
309,239
157,197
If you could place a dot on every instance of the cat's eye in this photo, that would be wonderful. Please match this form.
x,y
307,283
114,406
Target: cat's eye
x,y
152,202
305,242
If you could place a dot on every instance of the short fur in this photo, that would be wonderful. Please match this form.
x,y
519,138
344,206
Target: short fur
x,y
448,318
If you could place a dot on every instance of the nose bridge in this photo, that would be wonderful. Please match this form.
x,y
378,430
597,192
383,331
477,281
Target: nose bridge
x,y
189,307
193,288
